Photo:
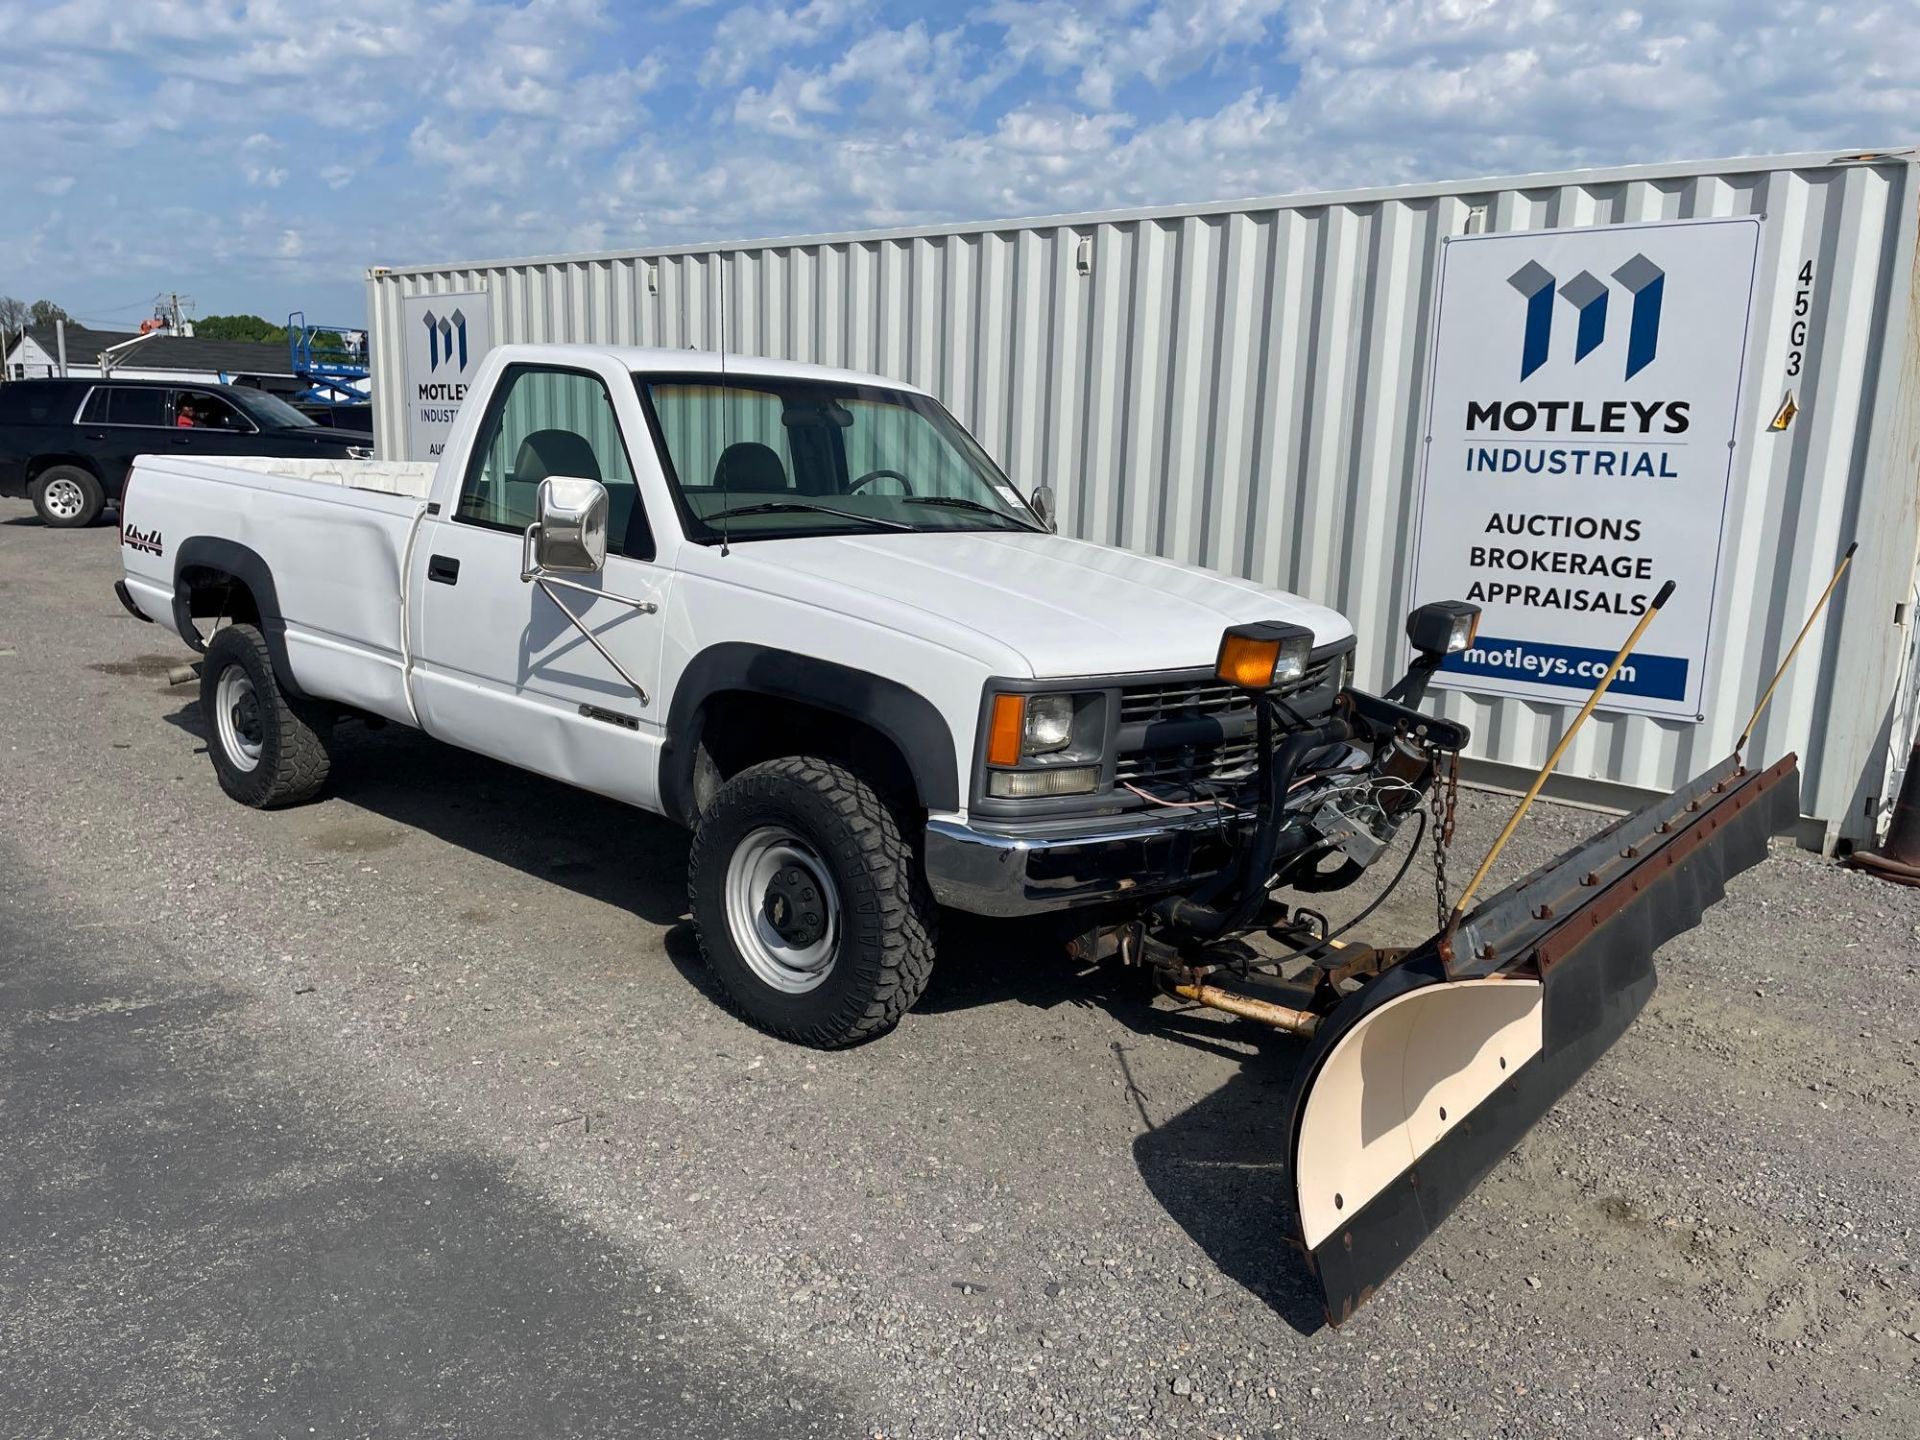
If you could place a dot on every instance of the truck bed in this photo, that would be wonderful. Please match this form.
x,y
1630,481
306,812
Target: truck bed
x,y
412,478
333,534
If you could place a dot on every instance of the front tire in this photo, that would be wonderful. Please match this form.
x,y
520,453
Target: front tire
x,y
268,748
809,903
67,497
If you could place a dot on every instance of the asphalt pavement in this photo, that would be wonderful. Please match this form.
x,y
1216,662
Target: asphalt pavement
x,y
409,1112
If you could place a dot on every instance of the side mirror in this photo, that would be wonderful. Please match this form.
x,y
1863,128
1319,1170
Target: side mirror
x,y
1041,503
571,534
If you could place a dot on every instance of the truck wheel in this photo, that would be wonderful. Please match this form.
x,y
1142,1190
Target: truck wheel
x,y
268,748
67,497
810,904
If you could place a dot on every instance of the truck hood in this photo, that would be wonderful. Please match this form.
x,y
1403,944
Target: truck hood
x,y
1067,607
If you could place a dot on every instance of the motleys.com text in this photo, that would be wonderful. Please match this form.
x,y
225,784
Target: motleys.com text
x,y
1570,667
1525,663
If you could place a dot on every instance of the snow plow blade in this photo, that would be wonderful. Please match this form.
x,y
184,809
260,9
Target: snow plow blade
x,y
1418,1084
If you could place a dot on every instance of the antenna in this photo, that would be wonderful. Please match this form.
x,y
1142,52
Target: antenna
x,y
726,411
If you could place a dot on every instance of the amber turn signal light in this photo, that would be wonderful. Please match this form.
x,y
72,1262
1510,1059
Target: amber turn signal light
x,y
1246,662
1005,725
1258,657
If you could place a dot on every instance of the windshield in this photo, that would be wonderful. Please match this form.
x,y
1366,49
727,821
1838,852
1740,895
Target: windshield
x,y
269,410
764,458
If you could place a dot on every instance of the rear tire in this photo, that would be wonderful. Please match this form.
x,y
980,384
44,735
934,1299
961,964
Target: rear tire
x,y
268,748
67,497
810,905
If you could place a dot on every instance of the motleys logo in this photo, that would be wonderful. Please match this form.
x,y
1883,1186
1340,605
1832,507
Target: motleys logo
x,y
443,334
1643,280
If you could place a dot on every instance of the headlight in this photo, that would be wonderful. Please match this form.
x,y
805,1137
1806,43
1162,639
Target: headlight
x,y
1443,627
1049,724
1048,743
1258,657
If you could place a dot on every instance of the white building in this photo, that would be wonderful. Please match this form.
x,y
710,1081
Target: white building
x,y
36,355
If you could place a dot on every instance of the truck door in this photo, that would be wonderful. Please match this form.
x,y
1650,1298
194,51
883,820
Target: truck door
x,y
497,667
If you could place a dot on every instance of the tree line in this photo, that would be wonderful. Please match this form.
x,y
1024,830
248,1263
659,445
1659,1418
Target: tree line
x,y
18,316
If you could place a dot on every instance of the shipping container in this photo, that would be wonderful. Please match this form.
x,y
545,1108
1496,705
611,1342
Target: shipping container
x,y
1243,386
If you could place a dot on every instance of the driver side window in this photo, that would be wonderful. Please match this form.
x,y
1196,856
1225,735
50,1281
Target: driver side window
x,y
545,422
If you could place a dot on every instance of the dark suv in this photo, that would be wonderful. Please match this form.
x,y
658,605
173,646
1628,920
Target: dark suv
x,y
68,444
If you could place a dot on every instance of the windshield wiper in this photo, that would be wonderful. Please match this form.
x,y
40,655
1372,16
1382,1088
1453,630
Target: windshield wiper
x,y
776,507
960,502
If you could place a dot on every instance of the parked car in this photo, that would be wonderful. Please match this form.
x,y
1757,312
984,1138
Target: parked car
x,y
803,613
68,445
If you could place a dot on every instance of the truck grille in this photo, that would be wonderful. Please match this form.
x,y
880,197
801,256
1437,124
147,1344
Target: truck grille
x,y
1226,760
1156,749
1181,700
1190,699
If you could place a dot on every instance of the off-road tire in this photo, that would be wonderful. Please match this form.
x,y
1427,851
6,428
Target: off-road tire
x,y
64,479
887,930
293,761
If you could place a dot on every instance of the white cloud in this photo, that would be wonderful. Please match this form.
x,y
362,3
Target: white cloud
x,y
256,155
464,127
1111,42
746,37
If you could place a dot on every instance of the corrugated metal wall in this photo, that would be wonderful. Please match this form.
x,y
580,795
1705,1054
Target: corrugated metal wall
x,y
1243,387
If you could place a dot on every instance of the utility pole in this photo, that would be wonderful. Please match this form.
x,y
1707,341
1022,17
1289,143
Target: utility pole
x,y
168,307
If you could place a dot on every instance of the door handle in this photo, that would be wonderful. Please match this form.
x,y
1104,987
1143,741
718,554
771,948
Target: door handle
x,y
443,569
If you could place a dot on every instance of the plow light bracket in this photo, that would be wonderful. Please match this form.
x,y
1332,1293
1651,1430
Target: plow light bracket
x,y
1264,654
1443,627
1437,629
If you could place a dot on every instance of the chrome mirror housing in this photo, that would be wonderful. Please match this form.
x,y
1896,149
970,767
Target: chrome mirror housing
x,y
1041,503
570,537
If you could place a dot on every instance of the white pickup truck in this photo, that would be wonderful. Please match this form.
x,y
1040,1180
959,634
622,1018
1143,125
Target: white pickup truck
x,y
798,610
801,612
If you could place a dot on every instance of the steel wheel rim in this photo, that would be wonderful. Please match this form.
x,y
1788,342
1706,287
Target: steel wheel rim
x,y
767,868
236,706
64,498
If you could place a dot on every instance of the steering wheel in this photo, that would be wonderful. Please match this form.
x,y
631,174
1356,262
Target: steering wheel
x,y
871,475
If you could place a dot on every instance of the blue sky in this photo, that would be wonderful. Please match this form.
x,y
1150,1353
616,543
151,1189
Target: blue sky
x,y
258,155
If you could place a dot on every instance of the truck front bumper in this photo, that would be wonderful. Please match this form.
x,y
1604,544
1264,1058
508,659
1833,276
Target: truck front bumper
x,y
1030,870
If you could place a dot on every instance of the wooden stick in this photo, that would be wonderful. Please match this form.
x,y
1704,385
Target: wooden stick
x,y
1794,649
1559,750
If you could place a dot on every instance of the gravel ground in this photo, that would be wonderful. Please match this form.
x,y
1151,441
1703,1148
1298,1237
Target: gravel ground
x,y
1045,1205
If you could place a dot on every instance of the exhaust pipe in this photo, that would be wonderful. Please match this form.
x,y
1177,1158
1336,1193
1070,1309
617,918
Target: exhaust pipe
x,y
184,674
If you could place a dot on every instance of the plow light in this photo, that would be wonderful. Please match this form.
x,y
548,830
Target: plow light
x,y
1443,627
1260,656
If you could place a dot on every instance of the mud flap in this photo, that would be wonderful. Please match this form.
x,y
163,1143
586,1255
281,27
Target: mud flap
x,y
1417,1085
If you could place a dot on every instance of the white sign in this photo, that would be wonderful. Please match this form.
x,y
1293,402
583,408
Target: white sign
x,y
1579,453
445,337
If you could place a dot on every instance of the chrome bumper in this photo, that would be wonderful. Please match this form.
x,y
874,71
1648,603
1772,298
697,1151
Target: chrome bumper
x,y
1029,872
